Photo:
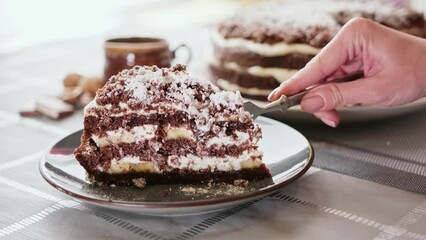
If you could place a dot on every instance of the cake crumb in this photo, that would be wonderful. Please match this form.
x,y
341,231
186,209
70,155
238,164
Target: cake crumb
x,y
193,190
90,178
139,182
241,183
166,193
213,189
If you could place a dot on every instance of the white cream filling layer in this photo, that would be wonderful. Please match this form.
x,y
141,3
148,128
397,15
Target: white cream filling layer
x,y
267,50
131,163
173,132
234,87
178,133
280,74
216,163
223,139
122,135
163,109
191,162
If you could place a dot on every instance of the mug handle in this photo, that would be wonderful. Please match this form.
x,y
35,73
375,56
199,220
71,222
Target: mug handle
x,y
188,49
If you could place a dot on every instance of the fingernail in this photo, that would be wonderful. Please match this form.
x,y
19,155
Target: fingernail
x,y
329,122
272,94
312,104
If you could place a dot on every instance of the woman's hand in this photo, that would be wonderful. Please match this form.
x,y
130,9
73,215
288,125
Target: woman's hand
x,y
394,66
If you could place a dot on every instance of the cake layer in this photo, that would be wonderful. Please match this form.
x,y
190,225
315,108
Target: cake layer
x,y
126,165
182,176
262,78
123,108
217,146
399,18
246,58
175,135
264,49
92,157
227,145
313,22
99,126
315,35
178,147
138,158
244,82
178,132
122,135
222,139
227,163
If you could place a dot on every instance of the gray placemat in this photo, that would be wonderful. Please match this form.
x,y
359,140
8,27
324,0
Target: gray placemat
x,y
391,152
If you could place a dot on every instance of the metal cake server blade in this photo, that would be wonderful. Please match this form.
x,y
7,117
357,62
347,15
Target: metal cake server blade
x,y
286,102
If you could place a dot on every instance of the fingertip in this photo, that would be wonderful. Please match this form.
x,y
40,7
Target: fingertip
x,y
330,118
289,87
329,122
271,96
277,92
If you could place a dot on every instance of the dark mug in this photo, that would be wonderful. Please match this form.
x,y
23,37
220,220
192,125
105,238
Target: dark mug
x,y
124,53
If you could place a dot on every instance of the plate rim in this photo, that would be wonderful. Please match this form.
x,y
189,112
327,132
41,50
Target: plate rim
x,y
187,204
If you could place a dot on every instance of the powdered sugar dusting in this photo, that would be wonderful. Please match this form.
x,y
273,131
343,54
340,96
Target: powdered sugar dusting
x,y
152,87
137,88
278,14
301,13
303,21
229,99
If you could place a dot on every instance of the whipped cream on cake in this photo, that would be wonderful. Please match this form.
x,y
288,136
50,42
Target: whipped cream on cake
x,y
164,125
265,44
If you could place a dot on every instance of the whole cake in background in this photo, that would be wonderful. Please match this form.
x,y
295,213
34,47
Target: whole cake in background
x,y
161,125
264,44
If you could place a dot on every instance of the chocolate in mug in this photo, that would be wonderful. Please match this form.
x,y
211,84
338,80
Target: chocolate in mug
x,y
125,53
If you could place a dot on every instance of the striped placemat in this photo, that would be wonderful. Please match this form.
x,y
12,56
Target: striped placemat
x,y
391,152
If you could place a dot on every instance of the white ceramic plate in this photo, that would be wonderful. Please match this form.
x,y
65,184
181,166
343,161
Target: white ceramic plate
x,y
287,154
350,115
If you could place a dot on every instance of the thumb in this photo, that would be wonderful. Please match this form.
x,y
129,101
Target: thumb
x,y
365,91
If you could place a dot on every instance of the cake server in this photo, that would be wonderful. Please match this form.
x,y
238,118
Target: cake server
x,y
286,102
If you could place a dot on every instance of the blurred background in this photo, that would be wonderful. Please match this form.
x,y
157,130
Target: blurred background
x,y
27,23
76,30
69,36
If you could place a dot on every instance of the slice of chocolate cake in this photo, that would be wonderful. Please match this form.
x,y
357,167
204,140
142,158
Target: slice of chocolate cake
x,y
266,43
155,126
